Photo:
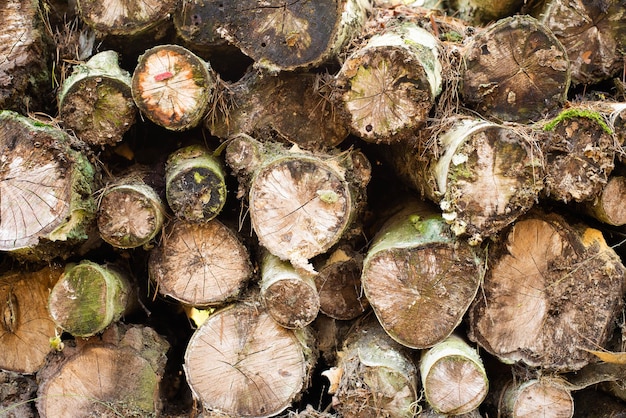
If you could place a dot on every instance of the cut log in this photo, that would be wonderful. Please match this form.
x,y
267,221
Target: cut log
x,y
482,175
481,12
197,23
95,102
579,152
26,326
195,185
24,56
515,70
292,107
89,297
339,284
261,367
375,376
545,397
592,32
453,377
608,206
130,212
172,87
551,292
283,36
290,297
419,278
301,203
200,264
116,375
46,190
389,86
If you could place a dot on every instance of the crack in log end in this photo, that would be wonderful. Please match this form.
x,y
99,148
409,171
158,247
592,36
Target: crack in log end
x,y
10,312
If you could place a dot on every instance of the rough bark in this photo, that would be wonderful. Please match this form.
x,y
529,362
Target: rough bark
x,y
281,35
389,85
295,107
290,297
515,70
552,292
579,152
46,190
89,297
481,12
24,49
453,377
172,87
545,397
592,32
200,264
195,184
261,367
95,102
16,393
374,377
482,175
419,278
26,326
300,203
115,375
608,206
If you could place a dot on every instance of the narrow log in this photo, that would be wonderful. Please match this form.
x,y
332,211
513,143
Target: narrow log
x,y
375,376
482,12
130,212
545,397
482,175
118,374
24,56
195,185
200,264
284,36
290,297
389,86
579,152
89,297
419,278
301,203
46,190
515,70
172,87
592,32
551,292
261,367
95,102
453,377
608,206
26,326
339,284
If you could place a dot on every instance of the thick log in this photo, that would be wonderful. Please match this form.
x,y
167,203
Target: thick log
x,y
195,184
481,12
419,278
197,24
26,326
482,175
95,102
46,190
374,377
592,32
453,377
261,367
24,56
389,85
89,297
172,87
579,152
608,206
116,375
289,296
200,264
515,70
301,203
545,397
552,292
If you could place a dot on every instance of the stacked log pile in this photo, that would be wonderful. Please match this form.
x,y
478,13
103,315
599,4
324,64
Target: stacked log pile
x,y
330,208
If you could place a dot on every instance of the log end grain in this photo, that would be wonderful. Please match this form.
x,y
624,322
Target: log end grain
x,y
118,17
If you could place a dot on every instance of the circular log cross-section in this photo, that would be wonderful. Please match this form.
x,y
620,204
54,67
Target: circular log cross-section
x,y
516,70
200,264
546,398
240,362
124,17
172,87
